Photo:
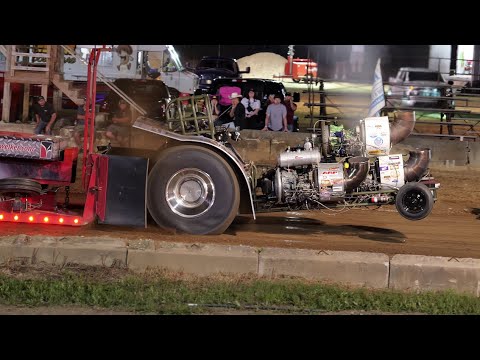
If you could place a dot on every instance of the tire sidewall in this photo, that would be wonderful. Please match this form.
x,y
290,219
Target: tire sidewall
x,y
224,181
419,187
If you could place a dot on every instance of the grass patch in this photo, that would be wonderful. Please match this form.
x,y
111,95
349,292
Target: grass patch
x,y
168,293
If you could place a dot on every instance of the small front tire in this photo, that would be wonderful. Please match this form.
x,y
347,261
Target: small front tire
x,y
414,201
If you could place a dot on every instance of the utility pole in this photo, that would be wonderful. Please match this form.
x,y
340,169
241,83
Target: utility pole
x,y
218,50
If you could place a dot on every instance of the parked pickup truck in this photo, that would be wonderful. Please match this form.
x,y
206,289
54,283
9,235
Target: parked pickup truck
x,y
210,68
417,87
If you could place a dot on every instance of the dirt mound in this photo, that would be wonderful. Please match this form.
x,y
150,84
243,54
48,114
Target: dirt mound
x,y
263,65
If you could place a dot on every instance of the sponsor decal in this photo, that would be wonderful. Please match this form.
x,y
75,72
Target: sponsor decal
x,y
378,141
46,150
17,148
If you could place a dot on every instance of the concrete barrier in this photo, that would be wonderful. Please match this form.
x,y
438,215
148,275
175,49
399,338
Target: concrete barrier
x,y
263,146
61,251
444,152
354,268
421,273
200,259
373,270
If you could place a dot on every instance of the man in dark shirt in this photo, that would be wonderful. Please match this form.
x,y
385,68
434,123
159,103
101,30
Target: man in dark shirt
x,y
120,129
291,107
45,116
237,112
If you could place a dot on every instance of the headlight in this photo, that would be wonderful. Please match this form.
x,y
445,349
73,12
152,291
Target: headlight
x,y
208,82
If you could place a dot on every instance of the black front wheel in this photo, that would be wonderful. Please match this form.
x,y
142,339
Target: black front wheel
x,y
193,190
414,201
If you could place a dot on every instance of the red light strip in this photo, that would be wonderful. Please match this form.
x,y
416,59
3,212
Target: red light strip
x,y
42,217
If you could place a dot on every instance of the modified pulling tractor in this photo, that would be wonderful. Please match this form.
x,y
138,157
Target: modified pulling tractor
x,y
198,183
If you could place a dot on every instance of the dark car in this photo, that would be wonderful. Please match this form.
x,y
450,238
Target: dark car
x,y
151,95
262,87
211,67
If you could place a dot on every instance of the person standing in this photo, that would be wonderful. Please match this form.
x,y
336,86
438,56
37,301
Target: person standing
x,y
291,107
252,107
120,129
237,112
276,119
45,116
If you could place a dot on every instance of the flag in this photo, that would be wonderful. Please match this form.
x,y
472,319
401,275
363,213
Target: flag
x,y
378,96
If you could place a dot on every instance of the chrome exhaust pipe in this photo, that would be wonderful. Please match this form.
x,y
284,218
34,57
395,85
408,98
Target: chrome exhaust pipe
x,y
402,126
357,172
417,164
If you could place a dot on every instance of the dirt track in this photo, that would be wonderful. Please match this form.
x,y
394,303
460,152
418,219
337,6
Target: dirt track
x,y
451,230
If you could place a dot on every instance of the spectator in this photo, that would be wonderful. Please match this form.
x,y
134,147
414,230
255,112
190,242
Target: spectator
x,y
271,99
291,107
252,107
169,66
45,116
276,119
237,112
216,112
119,130
215,107
79,124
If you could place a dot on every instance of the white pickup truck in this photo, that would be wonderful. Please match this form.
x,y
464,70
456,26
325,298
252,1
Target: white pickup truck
x,y
417,87
130,62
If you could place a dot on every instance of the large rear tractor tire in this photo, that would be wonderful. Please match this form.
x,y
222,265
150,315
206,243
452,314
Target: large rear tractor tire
x,y
414,201
193,190
23,186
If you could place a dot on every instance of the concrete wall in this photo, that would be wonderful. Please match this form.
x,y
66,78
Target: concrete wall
x,y
263,147
361,269
444,151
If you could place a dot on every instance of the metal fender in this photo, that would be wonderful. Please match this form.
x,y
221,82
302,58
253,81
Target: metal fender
x,y
153,126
